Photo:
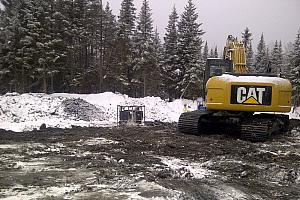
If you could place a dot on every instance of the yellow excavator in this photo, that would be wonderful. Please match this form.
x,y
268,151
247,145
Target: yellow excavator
x,y
250,104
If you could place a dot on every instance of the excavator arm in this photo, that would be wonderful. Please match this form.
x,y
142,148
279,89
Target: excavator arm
x,y
235,51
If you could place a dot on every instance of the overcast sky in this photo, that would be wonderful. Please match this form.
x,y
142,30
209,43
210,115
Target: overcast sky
x,y
277,19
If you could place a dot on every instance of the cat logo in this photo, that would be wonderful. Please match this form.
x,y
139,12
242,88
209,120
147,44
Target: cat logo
x,y
251,95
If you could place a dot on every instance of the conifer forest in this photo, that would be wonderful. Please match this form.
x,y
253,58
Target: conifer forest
x,y
81,46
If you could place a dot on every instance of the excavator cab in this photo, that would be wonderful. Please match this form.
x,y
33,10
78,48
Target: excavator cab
x,y
217,67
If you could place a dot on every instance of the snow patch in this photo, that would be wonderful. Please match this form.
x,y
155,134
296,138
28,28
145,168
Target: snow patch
x,y
30,166
9,146
186,169
97,141
225,192
130,189
295,113
20,192
252,79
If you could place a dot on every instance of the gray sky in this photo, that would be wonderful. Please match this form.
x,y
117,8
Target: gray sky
x,y
277,19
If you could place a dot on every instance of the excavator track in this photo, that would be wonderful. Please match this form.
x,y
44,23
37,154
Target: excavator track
x,y
261,127
256,129
189,122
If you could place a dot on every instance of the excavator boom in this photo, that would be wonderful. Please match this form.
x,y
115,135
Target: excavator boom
x,y
235,51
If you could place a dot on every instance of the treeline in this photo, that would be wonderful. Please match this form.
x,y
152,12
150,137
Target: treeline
x,y
80,46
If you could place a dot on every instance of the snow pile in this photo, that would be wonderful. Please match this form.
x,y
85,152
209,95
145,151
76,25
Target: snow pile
x,y
295,113
29,111
27,107
155,107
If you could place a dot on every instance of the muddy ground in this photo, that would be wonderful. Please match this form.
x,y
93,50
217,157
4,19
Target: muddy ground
x,y
153,162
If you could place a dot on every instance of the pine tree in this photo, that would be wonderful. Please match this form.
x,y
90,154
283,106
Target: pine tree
x,y
77,43
92,46
157,86
170,64
295,70
145,67
261,58
247,41
49,50
66,64
21,26
286,67
205,53
211,54
249,58
277,58
55,45
7,72
190,44
111,71
216,55
126,31
246,35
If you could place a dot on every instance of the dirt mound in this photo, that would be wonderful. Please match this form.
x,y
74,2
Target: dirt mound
x,y
82,110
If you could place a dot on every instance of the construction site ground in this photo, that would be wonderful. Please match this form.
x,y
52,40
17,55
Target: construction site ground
x,y
147,162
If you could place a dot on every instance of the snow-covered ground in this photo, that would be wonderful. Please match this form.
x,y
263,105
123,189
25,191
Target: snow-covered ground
x,y
29,111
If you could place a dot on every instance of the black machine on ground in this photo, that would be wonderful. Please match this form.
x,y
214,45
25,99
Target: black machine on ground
x,y
130,114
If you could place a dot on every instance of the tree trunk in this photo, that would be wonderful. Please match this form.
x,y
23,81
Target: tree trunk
x,y
23,80
144,84
44,80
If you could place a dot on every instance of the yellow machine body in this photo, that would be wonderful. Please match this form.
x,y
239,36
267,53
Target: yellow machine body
x,y
233,95
248,93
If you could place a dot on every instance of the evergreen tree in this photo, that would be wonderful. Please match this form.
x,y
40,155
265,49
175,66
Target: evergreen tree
x,y
77,44
157,86
126,31
49,51
246,35
277,58
261,58
15,59
145,67
211,54
205,53
249,58
295,70
171,68
287,60
110,62
57,45
216,55
92,46
247,41
9,39
190,44
66,65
